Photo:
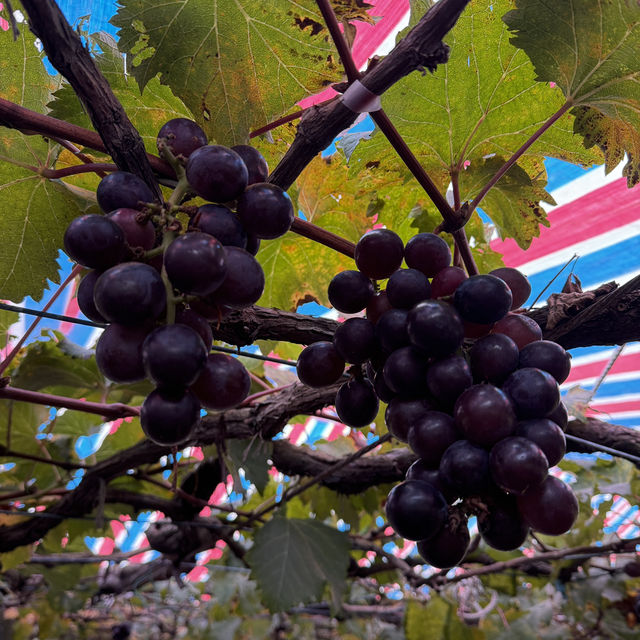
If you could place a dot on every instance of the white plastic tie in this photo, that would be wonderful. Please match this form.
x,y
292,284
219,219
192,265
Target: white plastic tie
x,y
359,99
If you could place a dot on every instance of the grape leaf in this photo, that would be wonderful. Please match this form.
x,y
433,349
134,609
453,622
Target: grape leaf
x,y
251,455
234,64
293,559
590,50
434,620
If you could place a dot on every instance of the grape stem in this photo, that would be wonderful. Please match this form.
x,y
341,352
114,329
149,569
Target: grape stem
x,y
68,466
90,167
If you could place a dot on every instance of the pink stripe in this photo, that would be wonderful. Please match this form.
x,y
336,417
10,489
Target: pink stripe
x,y
336,432
624,364
71,309
296,432
615,407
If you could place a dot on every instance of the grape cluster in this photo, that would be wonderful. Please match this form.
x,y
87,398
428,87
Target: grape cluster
x,y
141,262
470,385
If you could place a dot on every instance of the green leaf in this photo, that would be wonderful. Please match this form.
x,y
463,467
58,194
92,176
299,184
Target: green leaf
x,y
590,50
15,558
437,620
234,64
7,318
293,559
252,455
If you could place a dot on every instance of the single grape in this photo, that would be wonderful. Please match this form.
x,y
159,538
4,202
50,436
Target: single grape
x,y
253,244
350,291
548,356
356,403
169,417
379,253
517,282
501,526
520,328
407,287
130,293
195,263
632,569
136,234
378,304
405,371
210,310
119,352
431,435
391,330
217,173
123,190
516,464
428,253
473,331
484,414
244,282
533,392
465,468
256,164
382,389
560,416
435,328
547,435
265,210
173,355
355,340
422,472
319,365
221,223
447,548
182,136
94,241
493,358
223,382
446,281
448,378
401,414
416,510
483,299
550,508
84,296
198,323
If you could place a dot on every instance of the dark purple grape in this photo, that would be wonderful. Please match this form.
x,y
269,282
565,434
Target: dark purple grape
x,y
423,473
169,417
382,388
473,331
493,358
431,435
182,136
520,328
379,253
130,293
485,415
548,356
516,464
402,413
119,352
223,382
253,244
94,241
447,548
446,281
547,435
465,468
632,569
265,210
320,365
560,416
85,297
405,371
350,291
550,508
221,223
123,190
435,328
391,330
173,355
407,287
356,403
355,340
377,305
217,173
483,299
136,234
195,263
448,378
517,282
256,164
428,253
244,283
198,323
416,510
501,526
534,393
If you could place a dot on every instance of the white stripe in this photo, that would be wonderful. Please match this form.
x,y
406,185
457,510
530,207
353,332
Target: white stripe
x,y
603,355
612,377
623,397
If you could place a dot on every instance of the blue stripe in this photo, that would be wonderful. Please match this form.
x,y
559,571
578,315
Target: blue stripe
x,y
560,173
